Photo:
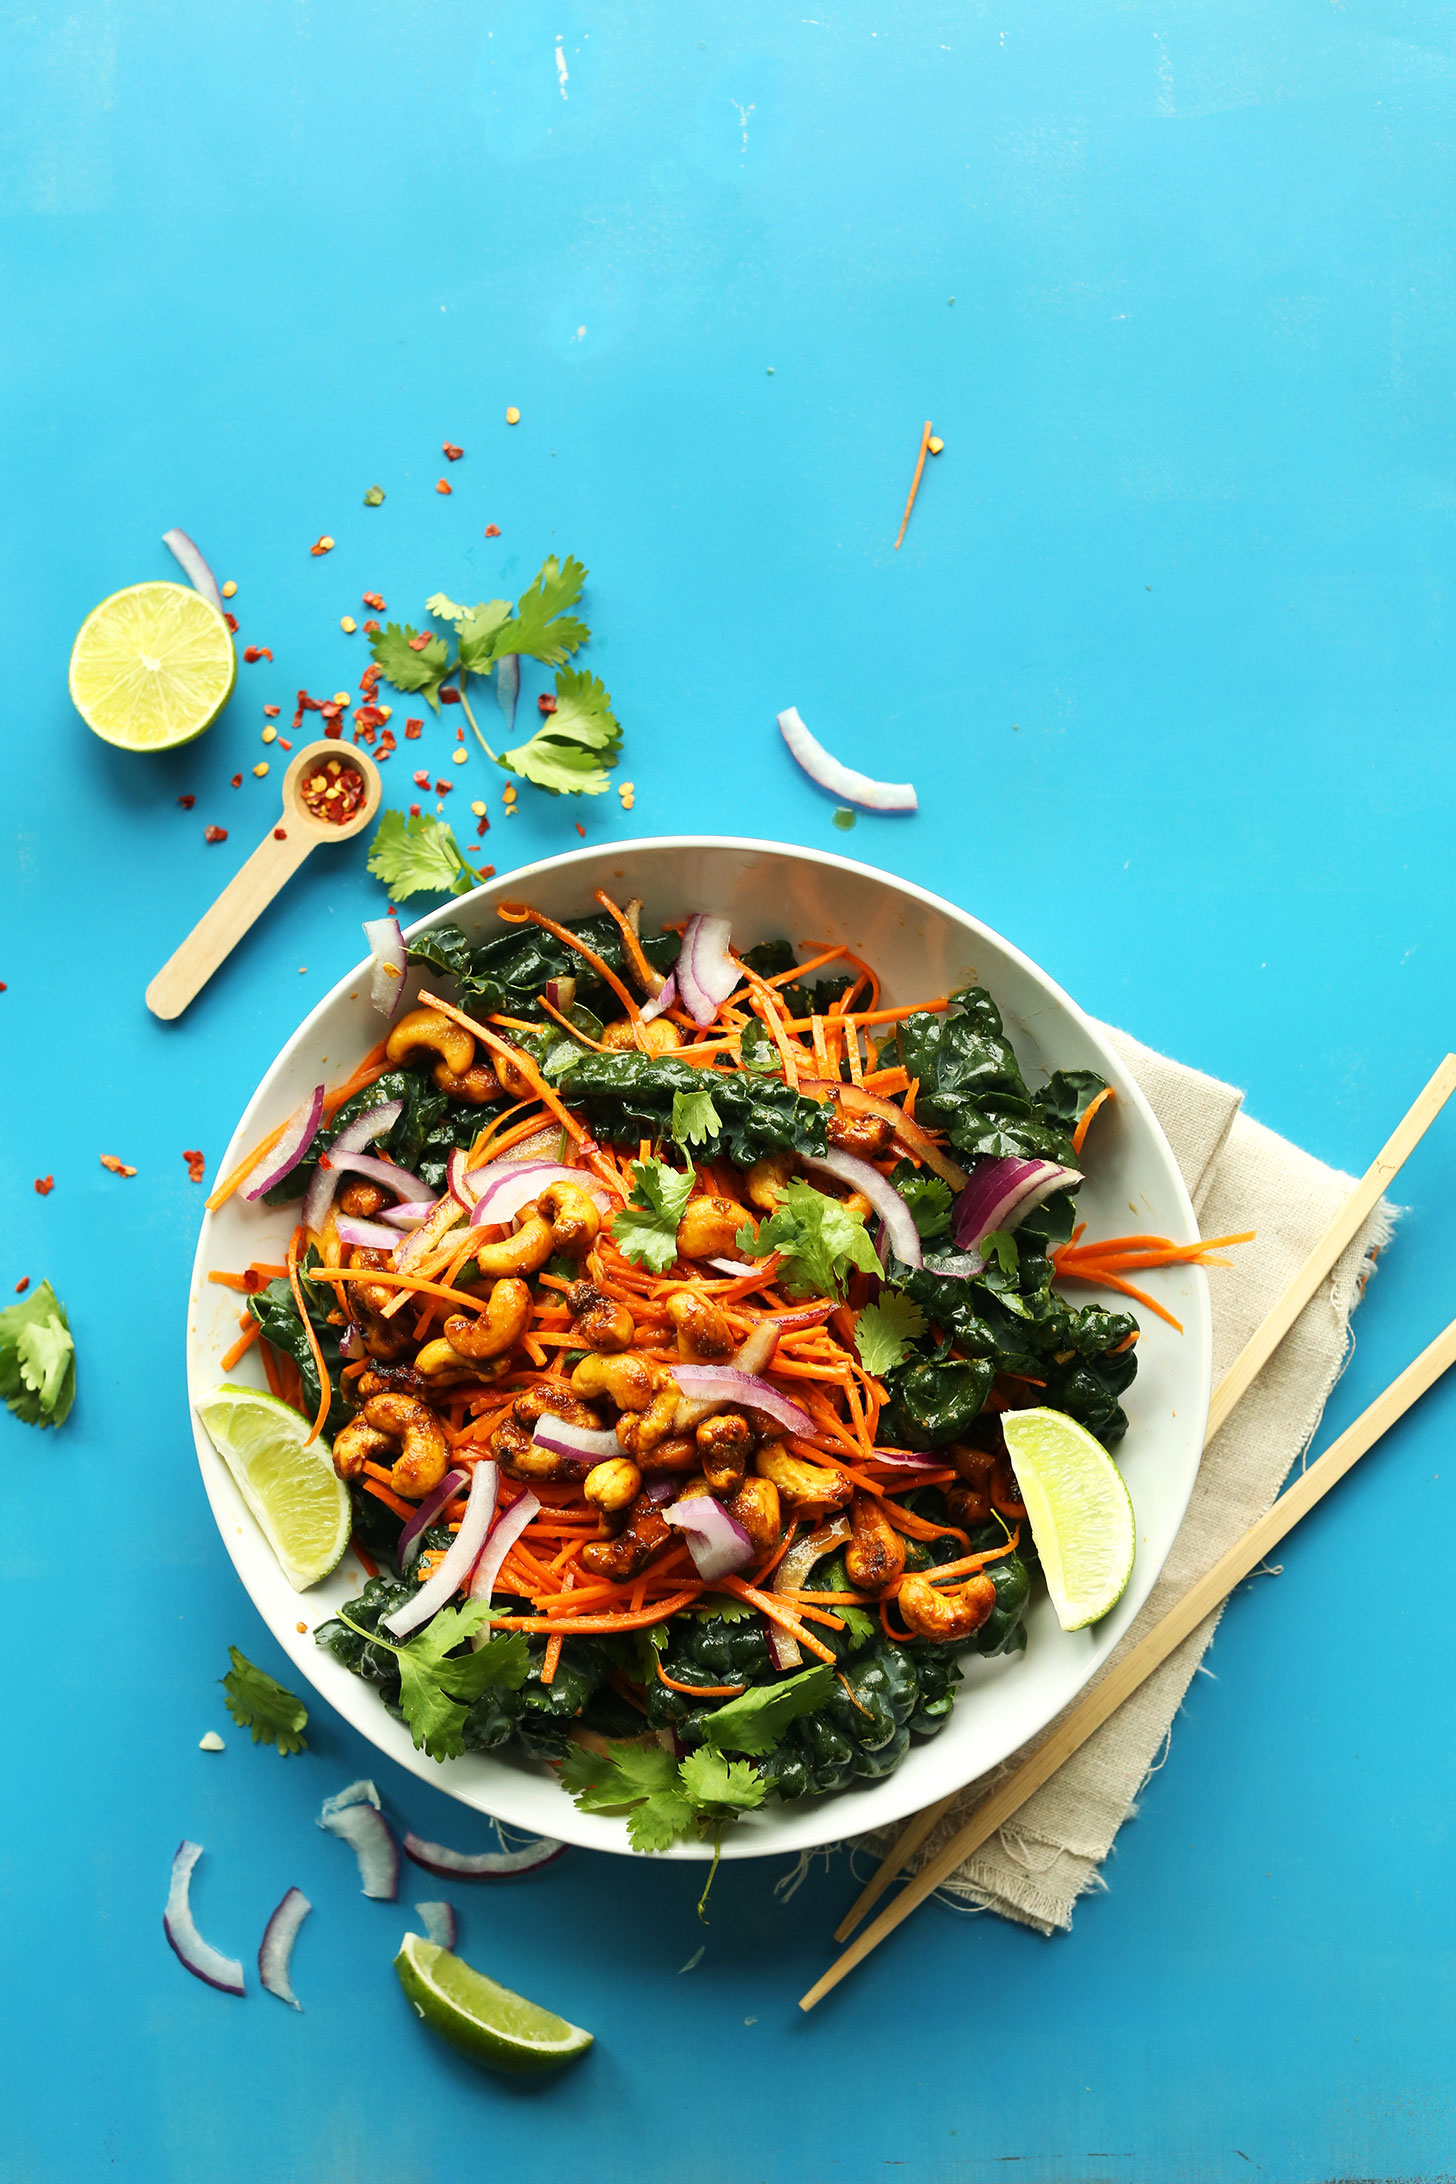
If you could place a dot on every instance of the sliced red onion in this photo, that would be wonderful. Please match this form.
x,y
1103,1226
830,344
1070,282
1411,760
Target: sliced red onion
x,y
706,974
409,1215
905,1459
425,1515
888,1204
276,1947
351,1343
660,1490
783,1646
440,1923
364,1828
1001,1193
513,1522
737,1266
324,1181
523,1181
727,1384
298,1134
840,780
459,1559
662,999
361,1792
717,1542
508,686
366,1235
457,1175
561,993
199,1956
483,1865
391,963
194,568
385,1172
584,1443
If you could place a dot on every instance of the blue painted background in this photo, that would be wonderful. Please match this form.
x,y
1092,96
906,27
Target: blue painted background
x,y
1166,652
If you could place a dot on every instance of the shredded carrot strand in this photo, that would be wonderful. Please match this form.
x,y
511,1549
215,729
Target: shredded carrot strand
x,y
241,1347
391,1501
914,483
326,1386
518,913
700,1690
1084,1120
770,1605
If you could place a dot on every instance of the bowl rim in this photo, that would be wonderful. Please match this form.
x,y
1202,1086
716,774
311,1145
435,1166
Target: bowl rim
x,y
744,1842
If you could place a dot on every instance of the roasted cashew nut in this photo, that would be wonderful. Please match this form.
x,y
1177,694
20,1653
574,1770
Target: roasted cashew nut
x,y
946,1616
639,1431
647,1533
412,1427
441,1364
601,1323
372,1294
529,1248
709,1227
724,1446
612,1485
756,1506
703,1334
434,1029
875,1556
801,1482
767,1178
477,1086
356,1445
505,1319
630,1380
573,1215
513,1445
658,1037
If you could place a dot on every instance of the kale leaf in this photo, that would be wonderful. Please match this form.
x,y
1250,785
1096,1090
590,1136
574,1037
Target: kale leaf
x,y
630,1096
971,1086
506,972
277,1314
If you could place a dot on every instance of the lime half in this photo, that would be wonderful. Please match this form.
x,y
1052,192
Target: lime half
x,y
290,1488
1079,1509
486,2022
152,667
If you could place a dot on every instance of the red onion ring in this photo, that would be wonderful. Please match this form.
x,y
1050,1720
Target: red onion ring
x,y
275,1950
508,1530
1003,1192
361,1825
426,1514
391,965
459,1559
299,1132
481,1865
396,1179
324,1181
440,1923
841,780
717,1542
194,567
199,1956
366,1235
524,1181
888,1204
407,1215
585,1443
737,1266
727,1384
664,998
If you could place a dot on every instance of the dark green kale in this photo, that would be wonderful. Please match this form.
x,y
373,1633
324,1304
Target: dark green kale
x,y
507,972
423,1110
863,1732
971,1086
626,1097
934,1400
804,997
277,1314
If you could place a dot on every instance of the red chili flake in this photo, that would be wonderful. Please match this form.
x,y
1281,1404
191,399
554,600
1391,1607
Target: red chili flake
x,y
369,678
414,811
3,987
443,485
371,629
417,644
335,792
459,733
449,695
280,834
482,826
284,744
214,834
412,730
486,872
492,530
187,802
452,452
581,830
237,781
373,599
257,652
45,1184
22,1285
546,703
443,788
272,711
231,620
422,780
117,1167
321,545
196,1166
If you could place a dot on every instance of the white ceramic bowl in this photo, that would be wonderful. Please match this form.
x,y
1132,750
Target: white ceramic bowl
x,y
921,946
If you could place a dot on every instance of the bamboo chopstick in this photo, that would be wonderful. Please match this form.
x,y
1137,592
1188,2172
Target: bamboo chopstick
x,y
1135,1667
1236,1382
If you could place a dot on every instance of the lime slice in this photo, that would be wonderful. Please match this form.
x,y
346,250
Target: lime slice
x,y
1079,1509
290,1488
152,667
486,2022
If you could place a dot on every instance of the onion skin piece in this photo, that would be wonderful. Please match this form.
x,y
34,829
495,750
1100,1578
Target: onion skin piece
x,y
717,1542
664,998
201,1959
366,1235
485,1865
301,1130
354,1136
190,560
841,780
275,1950
580,1443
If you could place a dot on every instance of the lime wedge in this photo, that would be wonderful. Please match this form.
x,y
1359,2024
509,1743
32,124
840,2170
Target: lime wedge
x,y
1079,1509
291,1489
152,667
486,2022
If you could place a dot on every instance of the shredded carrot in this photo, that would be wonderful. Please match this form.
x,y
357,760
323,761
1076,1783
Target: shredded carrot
x,y
914,482
552,1658
517,913
576,1033
878,1016
700,1690
326,1386
770,1605
769,1011
271,1373
241,1347
970,1563
599,1625
371,1567
391,1501
651,981
1084,1120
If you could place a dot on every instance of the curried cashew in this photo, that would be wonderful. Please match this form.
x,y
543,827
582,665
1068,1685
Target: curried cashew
x,y
573,1215
361,1199
601,1323
766,1179
647,1533
756,1506
709,1227
875,1555
703,1334
505,1319
801,1482
434,1029
630,1380
676,1452
357,1444
612,1485
725,1444
950,1615
477,1086
512,1444
372,1294
659,1037
440,1363
513,1079
413,1427
640,1431
529,1248
866,1136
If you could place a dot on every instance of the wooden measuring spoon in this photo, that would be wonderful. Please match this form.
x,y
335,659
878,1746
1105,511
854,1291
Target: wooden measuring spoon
x,y
276,858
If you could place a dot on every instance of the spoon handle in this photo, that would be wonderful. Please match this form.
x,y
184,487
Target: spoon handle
x,y
218,931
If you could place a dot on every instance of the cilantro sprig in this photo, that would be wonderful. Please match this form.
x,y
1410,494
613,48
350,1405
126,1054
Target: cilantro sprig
x,y
579,742
418,856
645,1229
257,1702
436,1691
883,1332
663,1798
38,1359
817,1238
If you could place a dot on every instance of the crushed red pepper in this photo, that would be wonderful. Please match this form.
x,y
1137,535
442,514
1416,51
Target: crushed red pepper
x,y
335,792
374,599
237,781
492,530
546,703
280,834
44,1185
422,780
196,1166
449,695
272,711
418,643
22,1285
214,834
413,730
187,802
443,788
117,1167
443,485
414,811
452,452
371,628
257,652
231,620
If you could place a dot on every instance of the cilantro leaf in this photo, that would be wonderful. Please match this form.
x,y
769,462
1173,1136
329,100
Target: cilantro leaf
x,y
477,630
757,1051
430,1685
721,1787
694,1117
928,1198
1000,1245
541,625
411,670
418,856
445,610
662,1800
38,1359
645,1229
755,1722
571,753
256,1702
884,1332
818,1238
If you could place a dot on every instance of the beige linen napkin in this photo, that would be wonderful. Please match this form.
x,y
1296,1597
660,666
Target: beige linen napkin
x,y
1239,1175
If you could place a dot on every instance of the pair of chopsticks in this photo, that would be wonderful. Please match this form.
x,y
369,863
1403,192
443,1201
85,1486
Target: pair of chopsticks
x,y
1089,1713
